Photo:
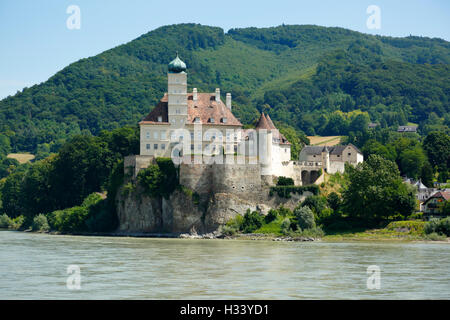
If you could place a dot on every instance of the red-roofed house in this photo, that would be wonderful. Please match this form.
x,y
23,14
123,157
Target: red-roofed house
x,y
431,206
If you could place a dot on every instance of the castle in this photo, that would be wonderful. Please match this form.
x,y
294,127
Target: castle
x,y
201,135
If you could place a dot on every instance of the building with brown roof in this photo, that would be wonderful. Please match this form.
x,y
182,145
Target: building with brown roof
x,y
200,120
432,206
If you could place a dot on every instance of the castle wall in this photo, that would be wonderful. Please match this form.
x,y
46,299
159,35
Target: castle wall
x,y
236,178
336,166
220,178
197,177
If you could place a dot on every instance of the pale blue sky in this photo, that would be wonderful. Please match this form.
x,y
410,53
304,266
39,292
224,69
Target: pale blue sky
x,y
35,42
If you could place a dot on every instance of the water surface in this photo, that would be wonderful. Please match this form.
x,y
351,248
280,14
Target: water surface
x,y
34,266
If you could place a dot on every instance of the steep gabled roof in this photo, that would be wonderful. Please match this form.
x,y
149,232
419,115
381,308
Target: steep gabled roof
x,y
266,123
263,123
204,108
440,194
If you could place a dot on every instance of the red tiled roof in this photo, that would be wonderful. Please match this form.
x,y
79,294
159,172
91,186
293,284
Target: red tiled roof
x,y
263,123
440,194
205,108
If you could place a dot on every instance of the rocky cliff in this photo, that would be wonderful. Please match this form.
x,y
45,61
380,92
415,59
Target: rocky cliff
x,y
185,211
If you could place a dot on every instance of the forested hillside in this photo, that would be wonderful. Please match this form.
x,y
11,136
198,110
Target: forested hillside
x,y
316,79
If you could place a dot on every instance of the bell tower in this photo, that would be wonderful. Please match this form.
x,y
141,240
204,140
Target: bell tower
x,y
177,93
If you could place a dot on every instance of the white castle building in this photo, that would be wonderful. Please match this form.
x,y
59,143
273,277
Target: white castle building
x,y
199,127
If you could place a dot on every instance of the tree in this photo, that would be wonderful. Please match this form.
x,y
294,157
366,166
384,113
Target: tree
x,y
412,161
305,217
159,179
12,194
316,203
426,174
81,167
376,190
437,147
252,221
334,201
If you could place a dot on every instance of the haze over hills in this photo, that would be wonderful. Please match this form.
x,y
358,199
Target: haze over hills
x,y
309,77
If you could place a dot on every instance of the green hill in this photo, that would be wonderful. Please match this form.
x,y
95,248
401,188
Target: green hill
x,y
302,74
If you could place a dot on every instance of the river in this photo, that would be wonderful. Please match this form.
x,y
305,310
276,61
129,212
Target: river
x,y
34,266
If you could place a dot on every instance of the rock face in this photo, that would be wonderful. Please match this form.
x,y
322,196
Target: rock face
x,y
184,213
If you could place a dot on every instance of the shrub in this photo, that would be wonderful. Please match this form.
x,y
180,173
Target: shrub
x,y
236,222
434,237
305,217
315,232
228,230
159,179
93,215
5,221
283,181
40,223
252,221
444,226
439,226
284,212
412,226
285,225
416,216
68,220
334,201
316,203
271,216
17,222
285,191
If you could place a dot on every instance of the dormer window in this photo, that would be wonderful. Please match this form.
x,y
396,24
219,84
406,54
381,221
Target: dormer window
x,y
223,120
159,118
211,120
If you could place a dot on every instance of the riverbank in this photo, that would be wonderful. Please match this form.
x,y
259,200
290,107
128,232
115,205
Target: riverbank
x,y
374,235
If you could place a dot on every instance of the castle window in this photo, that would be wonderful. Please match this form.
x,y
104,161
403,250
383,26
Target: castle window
x,y
172,136
155,135
163,146
192,136
211,120
147,135
163,135
199,147
192,147
155,146
223,120
147,146
178,110
197,120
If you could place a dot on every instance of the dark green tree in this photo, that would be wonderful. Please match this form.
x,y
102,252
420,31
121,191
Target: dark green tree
x,y
376,191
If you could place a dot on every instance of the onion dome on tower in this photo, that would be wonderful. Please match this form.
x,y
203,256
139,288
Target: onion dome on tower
x,y
177,65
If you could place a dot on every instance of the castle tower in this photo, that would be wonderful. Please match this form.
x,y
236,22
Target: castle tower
x,y
326,159
265,140
177,93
